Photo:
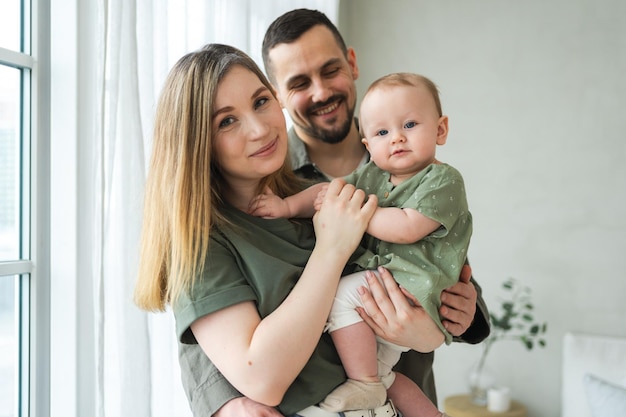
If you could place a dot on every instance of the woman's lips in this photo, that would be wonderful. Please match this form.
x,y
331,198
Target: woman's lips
x,y
267,149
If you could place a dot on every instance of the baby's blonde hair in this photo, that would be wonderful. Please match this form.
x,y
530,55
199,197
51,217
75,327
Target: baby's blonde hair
x,y
409,79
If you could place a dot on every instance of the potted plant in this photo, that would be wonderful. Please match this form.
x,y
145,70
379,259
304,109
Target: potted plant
x,y
514,320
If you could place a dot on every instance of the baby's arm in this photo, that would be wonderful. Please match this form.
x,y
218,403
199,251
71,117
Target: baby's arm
x,y
270,206
400,225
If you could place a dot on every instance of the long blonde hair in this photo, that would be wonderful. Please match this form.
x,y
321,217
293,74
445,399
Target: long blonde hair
x,y
182,203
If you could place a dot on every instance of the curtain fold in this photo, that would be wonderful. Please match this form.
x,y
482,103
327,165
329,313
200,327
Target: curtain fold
x,y
136,369
122,347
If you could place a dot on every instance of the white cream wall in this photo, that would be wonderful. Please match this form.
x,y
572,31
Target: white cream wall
x,y
536,94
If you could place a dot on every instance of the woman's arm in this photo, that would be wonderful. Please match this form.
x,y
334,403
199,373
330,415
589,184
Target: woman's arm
x,y
245,407
275,349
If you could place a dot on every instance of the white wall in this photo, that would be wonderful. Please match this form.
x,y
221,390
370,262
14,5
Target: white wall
x,y
536,94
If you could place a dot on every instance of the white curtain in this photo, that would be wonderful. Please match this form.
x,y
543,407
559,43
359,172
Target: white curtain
x,y
136,369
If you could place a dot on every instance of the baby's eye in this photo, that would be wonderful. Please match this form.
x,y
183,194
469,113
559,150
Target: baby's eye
x,y
226,121
409,125
382,132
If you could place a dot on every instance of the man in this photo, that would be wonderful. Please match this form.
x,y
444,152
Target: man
x,y
314,75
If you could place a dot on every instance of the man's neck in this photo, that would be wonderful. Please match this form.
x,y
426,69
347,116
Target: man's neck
x,y
339,159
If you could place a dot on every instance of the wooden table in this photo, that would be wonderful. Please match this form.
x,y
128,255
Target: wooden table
x,y
462,406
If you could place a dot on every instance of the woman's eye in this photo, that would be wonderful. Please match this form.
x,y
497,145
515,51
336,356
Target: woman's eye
x,y
382,132
227,121
409,125
260,102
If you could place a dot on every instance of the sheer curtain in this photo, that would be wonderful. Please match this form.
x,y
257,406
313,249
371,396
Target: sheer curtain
x,y
136,371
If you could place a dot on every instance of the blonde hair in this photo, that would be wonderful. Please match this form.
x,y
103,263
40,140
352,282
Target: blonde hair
x,y
182,203
407,79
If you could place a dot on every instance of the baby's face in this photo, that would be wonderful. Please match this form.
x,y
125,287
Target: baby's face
x,y
402,128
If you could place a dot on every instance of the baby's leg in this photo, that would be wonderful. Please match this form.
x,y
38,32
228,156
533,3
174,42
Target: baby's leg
x,y
410,399
356,344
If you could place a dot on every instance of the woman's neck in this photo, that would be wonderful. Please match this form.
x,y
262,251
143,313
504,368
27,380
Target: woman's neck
x,y
239,195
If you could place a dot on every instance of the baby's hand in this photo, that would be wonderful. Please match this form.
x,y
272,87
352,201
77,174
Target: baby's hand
x,y
320,197
268,205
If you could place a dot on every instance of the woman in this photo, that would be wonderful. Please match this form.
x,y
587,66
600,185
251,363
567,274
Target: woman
x,y
254,293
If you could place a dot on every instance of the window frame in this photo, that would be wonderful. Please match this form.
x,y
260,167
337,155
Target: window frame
x,y
32,269
40,291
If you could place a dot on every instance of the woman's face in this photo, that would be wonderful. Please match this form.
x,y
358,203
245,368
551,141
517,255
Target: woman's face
x,y
251,135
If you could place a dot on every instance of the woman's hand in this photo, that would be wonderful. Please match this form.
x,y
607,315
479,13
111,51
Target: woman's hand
x,y
390,314
458,304
245,407
343,218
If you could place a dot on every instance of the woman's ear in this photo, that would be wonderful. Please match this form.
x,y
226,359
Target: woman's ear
x,y
442,130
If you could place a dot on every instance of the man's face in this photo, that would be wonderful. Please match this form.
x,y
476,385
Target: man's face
x,y
314,81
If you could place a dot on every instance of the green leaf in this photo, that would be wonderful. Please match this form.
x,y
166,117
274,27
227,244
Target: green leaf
x,y
515,320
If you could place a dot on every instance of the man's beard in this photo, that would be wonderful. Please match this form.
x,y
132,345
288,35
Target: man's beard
x,y
330,136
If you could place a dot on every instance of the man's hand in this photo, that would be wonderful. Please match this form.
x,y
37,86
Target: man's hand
x,y
458,304
245,407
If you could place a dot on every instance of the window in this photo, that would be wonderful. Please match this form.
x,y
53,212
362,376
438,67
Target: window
x,y
17,104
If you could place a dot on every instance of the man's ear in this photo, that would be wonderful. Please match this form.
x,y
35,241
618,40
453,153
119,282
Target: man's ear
x,y
351,55
442,130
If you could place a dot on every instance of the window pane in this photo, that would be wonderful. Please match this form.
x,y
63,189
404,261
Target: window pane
x,y
10,134
10,22
8,346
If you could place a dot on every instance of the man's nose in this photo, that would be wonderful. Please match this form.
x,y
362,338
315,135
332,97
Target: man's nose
x,y
321,91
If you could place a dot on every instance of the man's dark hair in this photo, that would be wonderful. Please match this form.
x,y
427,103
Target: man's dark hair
x,y
290,26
